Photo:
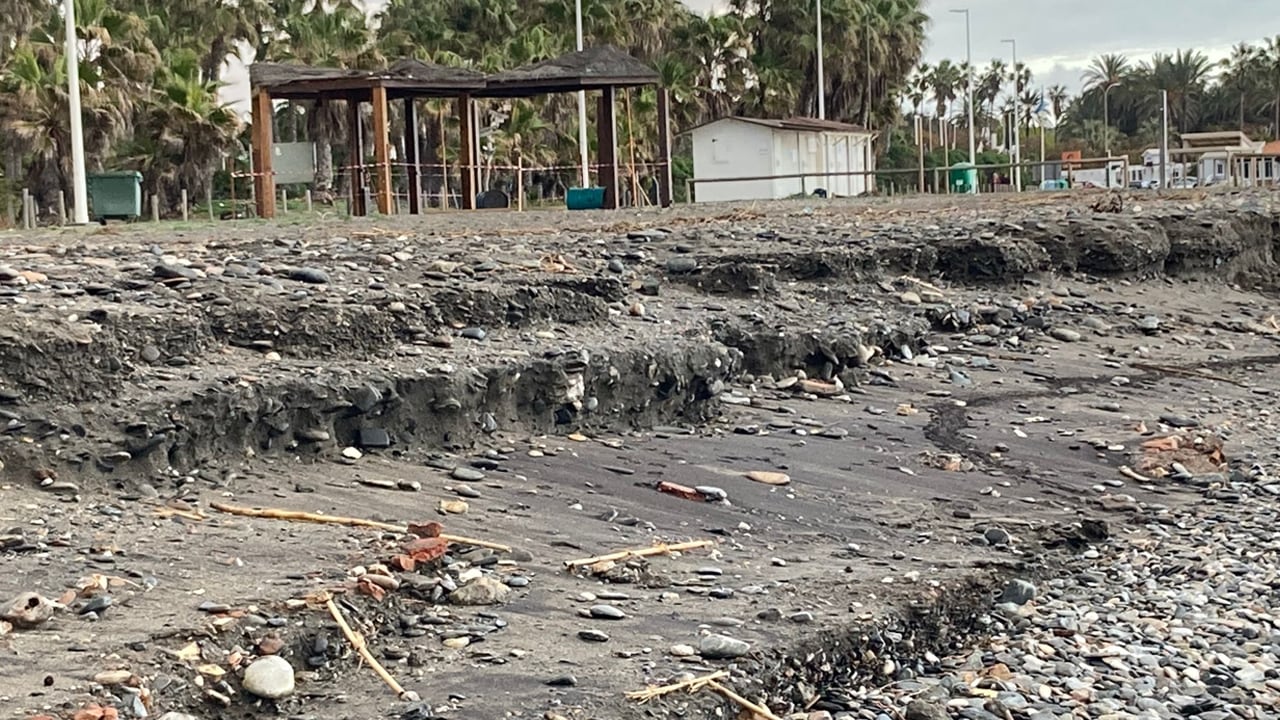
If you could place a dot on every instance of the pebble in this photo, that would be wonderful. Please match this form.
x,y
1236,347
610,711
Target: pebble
x,y
1065,334
593,636
269,677
467,474
606,612
314,276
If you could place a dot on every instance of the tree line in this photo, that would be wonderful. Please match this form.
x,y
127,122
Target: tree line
x,y
1241,92
151,72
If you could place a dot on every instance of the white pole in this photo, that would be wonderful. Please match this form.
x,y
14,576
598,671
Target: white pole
x,y
822,85
1164,139
968,51
582,110
1017,122
79,191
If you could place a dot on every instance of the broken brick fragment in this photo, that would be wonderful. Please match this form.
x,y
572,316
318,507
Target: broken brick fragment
x,y
681,491
426,530
426,549
403,563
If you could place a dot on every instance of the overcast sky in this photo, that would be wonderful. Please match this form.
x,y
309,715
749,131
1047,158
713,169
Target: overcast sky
x,y
1057,38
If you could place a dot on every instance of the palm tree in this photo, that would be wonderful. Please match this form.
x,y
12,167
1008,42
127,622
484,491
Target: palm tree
x,y
333,36
1270,65
1242,72
1058,99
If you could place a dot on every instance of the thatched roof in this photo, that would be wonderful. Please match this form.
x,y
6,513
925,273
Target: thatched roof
x,y
412,69
589,69
404,77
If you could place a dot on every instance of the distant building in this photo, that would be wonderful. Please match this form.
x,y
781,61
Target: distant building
x,y
773,154
1210,154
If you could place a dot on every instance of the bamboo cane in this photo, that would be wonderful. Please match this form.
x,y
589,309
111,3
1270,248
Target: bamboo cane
x,y
692,684
357,641
659,549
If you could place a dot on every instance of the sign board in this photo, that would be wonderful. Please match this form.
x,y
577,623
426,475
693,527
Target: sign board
x,y
294,163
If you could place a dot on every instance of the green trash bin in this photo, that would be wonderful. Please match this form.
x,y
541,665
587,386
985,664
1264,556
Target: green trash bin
x,y
115,195
963,177
591,198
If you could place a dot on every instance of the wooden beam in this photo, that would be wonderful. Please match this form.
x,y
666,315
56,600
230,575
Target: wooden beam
x,y
467,155
607,146
355,141
664,148
413,151
382,149
264,181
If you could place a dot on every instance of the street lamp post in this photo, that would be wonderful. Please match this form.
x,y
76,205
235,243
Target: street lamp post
x,y
1106,120
1017,120
1106,128
968,51
582,108
822,85
79,192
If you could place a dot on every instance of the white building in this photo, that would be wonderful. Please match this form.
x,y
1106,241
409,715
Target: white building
x,y
780,158
1210,154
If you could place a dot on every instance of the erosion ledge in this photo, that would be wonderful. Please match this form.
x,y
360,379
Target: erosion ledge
x,y
955,457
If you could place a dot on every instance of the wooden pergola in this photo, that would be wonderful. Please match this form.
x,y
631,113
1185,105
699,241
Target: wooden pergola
x,y
405,80
601,69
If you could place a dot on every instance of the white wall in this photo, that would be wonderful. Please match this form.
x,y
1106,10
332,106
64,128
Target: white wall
x,y
732,148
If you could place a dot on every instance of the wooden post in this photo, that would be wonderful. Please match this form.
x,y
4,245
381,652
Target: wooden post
x,y
310,206
62,207
467,153
186,208
413,155
382,149
155,208
208,199
355,139
519,181
607,146
284,201
26,209
264,181
664,148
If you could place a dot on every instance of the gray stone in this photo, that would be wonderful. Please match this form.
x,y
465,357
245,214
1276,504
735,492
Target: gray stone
x,y
606,612
467,474
1018,592
1065,334
269,677
681,265
315,276
722,647
922,710
997,536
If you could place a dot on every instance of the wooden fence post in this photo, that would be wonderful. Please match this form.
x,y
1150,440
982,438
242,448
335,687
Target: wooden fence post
x,y
186,213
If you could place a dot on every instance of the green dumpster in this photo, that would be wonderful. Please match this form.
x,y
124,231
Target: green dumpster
x,y
115,195
591,198
963,177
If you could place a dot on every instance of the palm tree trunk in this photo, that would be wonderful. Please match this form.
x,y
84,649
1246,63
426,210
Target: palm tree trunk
x,y
322,138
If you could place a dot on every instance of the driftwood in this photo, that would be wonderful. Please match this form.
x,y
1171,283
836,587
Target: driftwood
x,y
712,682
659,549
357,641
299,516
692,685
